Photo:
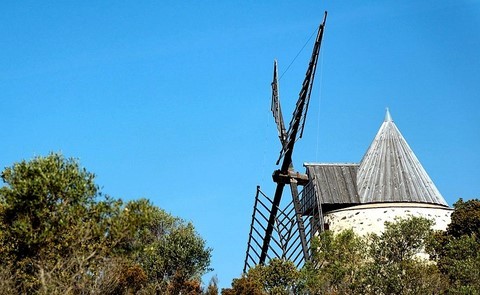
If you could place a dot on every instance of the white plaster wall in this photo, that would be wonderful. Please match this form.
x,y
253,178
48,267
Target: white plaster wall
x,y
370,218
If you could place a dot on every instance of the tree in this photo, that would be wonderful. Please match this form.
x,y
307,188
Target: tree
x,y
168,248
396,265
337,260
402,240
60,235
465,219
457,251
390,263
44,203
244,286
212,288
278,277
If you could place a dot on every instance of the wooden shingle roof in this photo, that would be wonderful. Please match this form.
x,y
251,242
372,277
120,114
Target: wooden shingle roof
x,y
390,171
334,183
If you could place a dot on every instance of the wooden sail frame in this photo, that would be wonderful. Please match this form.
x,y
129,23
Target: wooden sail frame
x,y
285,225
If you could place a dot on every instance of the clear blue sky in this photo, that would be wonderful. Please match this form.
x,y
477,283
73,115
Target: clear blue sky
x,y
169,100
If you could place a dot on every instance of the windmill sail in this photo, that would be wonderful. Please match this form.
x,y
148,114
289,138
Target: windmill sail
x,y
300,113
276,109
275,226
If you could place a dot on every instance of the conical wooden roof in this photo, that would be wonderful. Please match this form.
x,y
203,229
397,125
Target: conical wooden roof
x,y
390,171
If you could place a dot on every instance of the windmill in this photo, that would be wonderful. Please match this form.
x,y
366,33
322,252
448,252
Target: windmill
x,y
279,229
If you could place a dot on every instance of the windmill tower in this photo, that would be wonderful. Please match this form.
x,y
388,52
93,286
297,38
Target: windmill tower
x,y
388,183
280,229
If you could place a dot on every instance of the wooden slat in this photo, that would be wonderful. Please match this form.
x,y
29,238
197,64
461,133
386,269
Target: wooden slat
x,y
333,183
390,171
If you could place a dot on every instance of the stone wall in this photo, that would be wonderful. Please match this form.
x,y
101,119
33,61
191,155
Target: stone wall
x,y
370,218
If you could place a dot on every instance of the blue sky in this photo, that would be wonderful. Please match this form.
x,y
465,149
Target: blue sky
x,y
170,100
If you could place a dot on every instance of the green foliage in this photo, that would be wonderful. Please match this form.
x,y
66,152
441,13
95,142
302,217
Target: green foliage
x,y
39,201
244,286
166,246
278,277
337,260
457,251
394,262
401,240
411,276
212,288
345,263
59,235
49,212
461,263
397,265
465,219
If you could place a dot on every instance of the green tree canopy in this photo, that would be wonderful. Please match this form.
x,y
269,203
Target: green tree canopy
x,y
278,277
336,263
465,219
457,251
393,262
397,262
60,235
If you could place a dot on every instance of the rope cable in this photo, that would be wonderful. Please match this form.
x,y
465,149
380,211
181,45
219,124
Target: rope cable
x,y
303,47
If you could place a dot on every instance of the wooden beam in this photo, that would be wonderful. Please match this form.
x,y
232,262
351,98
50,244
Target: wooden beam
x,y
300,178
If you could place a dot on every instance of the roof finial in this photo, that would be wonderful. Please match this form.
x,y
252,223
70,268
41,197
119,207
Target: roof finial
x,y
388,117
